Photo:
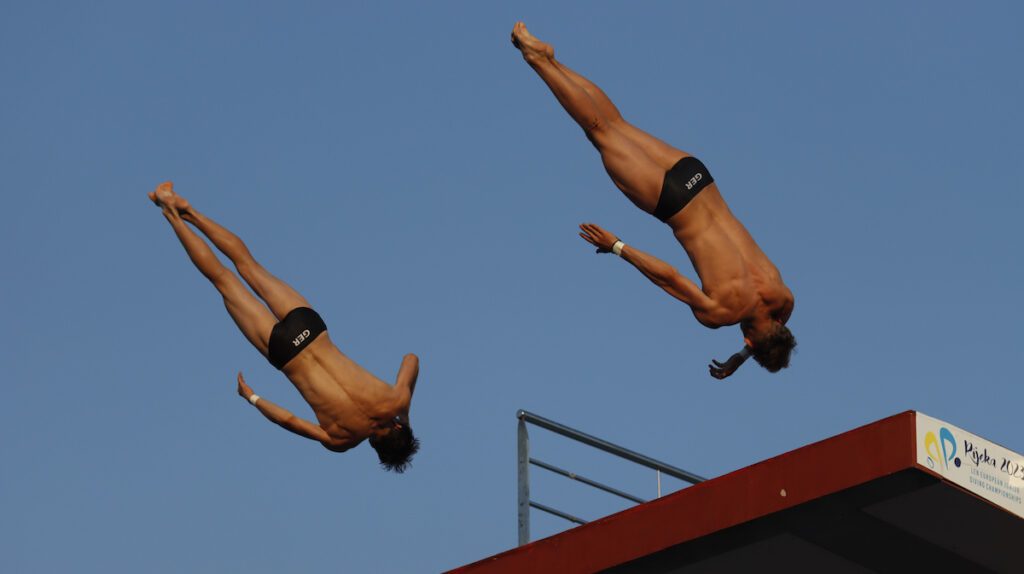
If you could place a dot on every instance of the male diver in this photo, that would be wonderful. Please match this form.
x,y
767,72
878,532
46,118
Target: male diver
x,y
739,283
350,403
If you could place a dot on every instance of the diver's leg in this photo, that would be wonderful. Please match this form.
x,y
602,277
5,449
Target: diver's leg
x,y
252,318
634,172
664,154
279,296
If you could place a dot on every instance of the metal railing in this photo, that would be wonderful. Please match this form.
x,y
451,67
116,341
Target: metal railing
x,y
525,460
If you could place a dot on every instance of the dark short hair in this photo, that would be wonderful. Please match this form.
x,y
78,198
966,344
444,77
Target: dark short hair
x,y
774,349
395,449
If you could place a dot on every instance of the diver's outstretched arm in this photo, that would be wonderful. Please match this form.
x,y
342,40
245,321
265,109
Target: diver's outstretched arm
x,y
408,373
660,273
281,416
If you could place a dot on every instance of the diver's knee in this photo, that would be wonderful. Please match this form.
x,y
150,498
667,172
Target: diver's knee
x,y
219,275
248,269
596,124
596,129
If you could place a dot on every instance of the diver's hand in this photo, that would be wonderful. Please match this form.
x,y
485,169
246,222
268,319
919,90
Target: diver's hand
x,y
244,390
594,235
723,370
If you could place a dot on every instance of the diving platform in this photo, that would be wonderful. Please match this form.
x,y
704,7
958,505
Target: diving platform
x,y
908,493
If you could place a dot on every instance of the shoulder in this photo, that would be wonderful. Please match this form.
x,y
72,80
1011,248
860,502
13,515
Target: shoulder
x,y
339,445
716,315
781,304
787,308
727,305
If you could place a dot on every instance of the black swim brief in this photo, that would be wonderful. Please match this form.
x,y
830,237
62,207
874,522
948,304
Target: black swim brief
x,y
682,183
293,334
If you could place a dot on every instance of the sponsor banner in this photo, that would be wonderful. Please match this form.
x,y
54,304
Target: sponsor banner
x,y
980,466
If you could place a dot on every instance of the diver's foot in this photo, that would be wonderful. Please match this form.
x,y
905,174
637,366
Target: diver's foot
x,y
165,194
533,49
167,200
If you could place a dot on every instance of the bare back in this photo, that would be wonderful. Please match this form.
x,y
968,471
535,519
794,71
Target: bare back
x,y
733,270
347,399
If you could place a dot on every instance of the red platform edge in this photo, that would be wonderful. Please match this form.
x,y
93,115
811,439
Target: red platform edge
x,y
852,458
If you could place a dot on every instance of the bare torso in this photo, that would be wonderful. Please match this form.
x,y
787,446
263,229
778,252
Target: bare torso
x,y
733,270
349,401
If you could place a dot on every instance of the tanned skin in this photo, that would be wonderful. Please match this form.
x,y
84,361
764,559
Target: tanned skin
x,y
739,284
350,404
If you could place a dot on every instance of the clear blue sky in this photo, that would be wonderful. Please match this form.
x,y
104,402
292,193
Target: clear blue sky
x,y
401,166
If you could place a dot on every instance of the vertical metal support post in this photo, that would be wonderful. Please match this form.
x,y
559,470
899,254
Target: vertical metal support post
x,y
523,482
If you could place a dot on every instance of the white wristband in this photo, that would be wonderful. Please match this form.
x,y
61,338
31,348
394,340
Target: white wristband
x,y
617,248
253,399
